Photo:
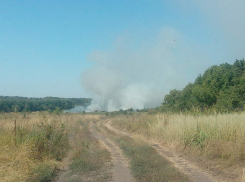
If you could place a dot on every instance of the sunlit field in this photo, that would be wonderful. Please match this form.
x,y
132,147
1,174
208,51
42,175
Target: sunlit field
x,y
34,148
217,136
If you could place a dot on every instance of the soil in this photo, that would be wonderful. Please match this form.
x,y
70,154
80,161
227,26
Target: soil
x,y
120,170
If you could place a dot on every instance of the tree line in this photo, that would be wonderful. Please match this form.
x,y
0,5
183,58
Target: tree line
x,y
220,88
25,104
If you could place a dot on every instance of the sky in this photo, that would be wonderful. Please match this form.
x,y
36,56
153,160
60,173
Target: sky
x,y
107,49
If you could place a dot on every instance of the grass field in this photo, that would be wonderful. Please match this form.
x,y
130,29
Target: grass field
x,y
37,146
33,149
217,137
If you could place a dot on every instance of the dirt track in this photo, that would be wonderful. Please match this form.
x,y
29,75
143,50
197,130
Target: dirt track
x,y
120,170
184,166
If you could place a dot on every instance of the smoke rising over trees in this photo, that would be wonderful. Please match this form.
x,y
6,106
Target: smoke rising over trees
x,y
220,87
138,73
123,78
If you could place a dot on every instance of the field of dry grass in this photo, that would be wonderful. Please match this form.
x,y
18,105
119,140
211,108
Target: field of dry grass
x,y
218,137
34,148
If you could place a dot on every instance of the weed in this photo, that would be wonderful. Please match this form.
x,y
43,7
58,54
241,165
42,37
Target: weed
x,y
216,136
33,148
49,140
43,173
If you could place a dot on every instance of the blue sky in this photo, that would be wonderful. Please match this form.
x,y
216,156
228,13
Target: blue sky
x,y
45,46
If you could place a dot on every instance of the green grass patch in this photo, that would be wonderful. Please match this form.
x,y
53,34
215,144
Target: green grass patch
x,y
147,164
89,158
43,173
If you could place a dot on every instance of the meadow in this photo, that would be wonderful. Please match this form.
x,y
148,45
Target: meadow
x,y
38,146
215,140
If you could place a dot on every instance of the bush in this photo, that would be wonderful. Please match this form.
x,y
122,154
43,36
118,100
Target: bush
x,y
43,173
49,141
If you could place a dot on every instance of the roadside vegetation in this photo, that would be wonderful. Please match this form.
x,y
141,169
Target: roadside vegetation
x,y
32,146
41,146
217,137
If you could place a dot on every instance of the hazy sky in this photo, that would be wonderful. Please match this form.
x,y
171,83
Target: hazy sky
x,y
48,47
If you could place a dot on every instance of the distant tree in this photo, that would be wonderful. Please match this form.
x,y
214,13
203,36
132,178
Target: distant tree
x,y
220,87
15,108
19,104
57,111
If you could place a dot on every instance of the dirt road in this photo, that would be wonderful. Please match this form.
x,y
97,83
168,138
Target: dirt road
x,y
184,166
108,137
120,170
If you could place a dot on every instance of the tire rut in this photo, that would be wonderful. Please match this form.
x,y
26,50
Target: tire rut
x,y
184,166
120,170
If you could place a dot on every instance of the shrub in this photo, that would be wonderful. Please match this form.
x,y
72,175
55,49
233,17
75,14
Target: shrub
x,y
49,141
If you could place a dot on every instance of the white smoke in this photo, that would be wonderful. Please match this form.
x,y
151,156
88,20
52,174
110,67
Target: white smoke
x,y
226,19
126,77
122,78
76,109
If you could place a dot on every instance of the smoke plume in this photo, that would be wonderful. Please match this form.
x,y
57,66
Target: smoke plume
x,y
226,18
138,75
123,78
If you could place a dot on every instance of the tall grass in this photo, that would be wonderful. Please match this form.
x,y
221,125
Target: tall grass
x,y
41,143
35,152
219,136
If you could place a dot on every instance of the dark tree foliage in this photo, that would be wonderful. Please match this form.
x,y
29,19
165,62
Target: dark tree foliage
x,y
220,87
25,104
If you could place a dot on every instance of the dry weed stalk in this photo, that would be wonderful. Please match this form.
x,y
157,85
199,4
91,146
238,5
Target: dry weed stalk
x,y
216,136
16,142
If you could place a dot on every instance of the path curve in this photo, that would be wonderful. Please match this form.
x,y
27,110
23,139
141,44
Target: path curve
x,y
120,170
184,166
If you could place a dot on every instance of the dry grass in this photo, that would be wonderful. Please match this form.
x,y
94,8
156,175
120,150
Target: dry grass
x,y
217,137
28,156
